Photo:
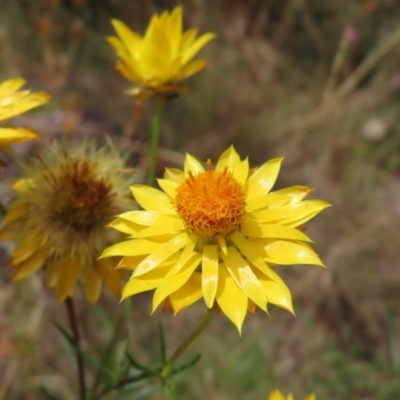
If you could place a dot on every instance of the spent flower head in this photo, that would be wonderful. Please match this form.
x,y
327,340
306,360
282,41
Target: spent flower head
x,y
277,395
159,61
63,204
216,234
14,102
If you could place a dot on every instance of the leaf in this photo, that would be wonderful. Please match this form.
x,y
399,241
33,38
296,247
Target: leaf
x,y
90,359
186,365
139,366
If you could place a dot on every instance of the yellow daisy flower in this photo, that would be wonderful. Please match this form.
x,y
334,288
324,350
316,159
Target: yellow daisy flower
x,y
160,60
60,214
14,102
277,395
216,234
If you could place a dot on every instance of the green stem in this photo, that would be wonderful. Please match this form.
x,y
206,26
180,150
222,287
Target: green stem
x,y
154,138
190,339
75,331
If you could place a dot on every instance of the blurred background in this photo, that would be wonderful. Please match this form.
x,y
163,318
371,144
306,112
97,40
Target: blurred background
x,y
315,81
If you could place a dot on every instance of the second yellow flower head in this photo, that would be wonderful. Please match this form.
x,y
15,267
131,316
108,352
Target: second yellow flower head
x,y
160,60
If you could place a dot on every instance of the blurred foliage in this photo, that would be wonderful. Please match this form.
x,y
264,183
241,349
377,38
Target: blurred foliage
x,y
315,81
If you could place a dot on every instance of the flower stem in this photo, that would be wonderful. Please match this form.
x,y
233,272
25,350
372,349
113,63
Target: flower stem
x,y
190,339
75,331
154,138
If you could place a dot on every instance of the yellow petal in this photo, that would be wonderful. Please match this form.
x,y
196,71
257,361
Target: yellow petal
x,y
253,228
10,86
174,175
21,102
10,231
68,275
149,218
174,28
284,252
25,248
209,275
192,49
261,182
276,395
168,186
276,291
229,159
92,283
230,298
173,225
175,282
16,211
112,278
193,165
188,294
145,282
241,172
11,135
162,253
295,193
192,68
133,247
29,265
311,397
152,199
268,200
244,277
130,39
187,39
250,252
125,226
130,262
222,243
51,272
292,214
185,255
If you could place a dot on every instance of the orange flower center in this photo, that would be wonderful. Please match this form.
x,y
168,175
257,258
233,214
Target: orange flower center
x,y
210,203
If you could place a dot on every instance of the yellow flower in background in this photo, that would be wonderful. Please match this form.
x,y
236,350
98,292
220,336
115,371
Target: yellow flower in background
x,y
216,234
14,102
277,395
60,214
160,60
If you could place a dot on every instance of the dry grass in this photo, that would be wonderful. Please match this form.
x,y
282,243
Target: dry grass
x,y
315,81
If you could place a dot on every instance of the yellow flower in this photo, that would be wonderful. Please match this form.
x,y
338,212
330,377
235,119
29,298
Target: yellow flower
x,y
60,214
277,395
13,103
159,61
216,234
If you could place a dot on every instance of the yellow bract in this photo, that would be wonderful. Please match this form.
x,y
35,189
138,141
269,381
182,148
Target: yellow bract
x,y
160,60
14,102
224,245
277,395
59,217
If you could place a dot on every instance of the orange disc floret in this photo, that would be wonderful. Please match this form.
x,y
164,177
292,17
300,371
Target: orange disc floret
x,y
210,203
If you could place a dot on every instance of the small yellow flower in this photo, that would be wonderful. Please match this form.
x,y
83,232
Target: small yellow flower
x,y
60,214
277,395
216,234
13,103
160,60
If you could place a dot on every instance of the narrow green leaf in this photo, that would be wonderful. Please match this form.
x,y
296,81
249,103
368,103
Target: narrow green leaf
x,y
139,366
186,365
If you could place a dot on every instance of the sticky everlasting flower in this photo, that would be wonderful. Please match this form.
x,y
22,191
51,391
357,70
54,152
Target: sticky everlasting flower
x,y
160,60
216,234
14,102
59,217
277,395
